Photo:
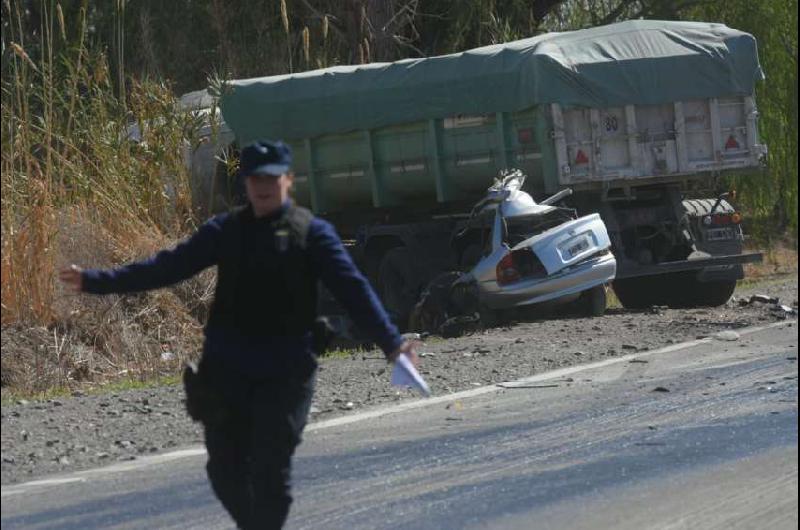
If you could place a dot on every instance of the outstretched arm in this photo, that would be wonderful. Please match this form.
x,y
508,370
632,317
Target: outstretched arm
x,y
164,268
351,289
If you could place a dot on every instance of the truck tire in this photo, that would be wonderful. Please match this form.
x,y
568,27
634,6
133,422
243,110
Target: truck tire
x,y
705,294
593,301
395,281
640,293
678,290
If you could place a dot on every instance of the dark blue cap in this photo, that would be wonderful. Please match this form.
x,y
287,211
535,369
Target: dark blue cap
x,y
265,158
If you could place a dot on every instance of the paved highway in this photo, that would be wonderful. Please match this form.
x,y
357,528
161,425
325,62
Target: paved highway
x,y
701,435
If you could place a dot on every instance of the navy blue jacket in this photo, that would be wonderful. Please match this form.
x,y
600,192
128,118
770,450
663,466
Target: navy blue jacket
x,y
329,258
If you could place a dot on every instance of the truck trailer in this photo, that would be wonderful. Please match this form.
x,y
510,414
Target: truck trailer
x,y
640,119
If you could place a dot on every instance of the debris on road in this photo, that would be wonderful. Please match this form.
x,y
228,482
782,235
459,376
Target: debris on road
x,y
660,389
763,299
784,311
727,335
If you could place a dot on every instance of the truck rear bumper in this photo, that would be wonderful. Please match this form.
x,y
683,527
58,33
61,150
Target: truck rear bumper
x,y
688,265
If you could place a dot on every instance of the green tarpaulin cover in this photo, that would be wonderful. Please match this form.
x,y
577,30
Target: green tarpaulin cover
x,y
633,62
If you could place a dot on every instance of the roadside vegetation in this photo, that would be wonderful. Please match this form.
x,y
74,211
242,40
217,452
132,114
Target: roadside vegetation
x,y
80,79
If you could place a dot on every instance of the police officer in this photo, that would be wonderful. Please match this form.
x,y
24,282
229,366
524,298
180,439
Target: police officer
x,y
258,356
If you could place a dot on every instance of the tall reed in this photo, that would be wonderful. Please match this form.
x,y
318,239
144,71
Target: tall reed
x,y
67,146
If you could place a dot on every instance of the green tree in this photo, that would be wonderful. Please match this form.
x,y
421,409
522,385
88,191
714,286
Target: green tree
x,y
774,24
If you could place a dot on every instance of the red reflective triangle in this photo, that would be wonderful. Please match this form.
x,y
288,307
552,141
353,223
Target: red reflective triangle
x,y
581,157
731,143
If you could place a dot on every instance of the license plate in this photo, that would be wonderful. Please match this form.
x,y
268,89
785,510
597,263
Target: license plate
x,y
719,234
577,247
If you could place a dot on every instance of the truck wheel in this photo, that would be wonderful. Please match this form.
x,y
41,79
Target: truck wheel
x,y
394,285
718,293
674,290
640,293
593,301
705,294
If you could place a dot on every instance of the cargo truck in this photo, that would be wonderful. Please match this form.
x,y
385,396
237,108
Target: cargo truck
x,y
640,119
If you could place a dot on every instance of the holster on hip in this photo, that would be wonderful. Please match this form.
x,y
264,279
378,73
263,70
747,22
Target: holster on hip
x,y
203,402
323,333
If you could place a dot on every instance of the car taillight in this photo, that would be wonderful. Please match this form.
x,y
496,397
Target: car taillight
x,y
722,219
506,271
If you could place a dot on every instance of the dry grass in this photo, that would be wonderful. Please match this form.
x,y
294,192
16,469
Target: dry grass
x,y
77,189
779,259
94,340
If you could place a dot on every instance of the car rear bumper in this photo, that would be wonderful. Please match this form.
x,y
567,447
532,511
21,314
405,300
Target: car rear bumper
x,y
579,277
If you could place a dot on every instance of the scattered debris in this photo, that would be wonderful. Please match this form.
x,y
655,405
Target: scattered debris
x,y
764,299
727,335
784,311
459,325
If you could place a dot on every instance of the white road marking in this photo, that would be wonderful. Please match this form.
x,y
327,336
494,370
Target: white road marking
x,y
82,476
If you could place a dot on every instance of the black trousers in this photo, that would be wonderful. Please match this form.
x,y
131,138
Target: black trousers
x,y
250,448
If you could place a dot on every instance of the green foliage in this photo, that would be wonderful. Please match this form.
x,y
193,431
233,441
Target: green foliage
x,y
771,196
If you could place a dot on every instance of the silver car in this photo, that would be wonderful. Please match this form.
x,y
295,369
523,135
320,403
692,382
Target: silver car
x,y
530,253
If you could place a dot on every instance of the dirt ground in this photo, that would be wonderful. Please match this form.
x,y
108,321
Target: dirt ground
x,y
83,431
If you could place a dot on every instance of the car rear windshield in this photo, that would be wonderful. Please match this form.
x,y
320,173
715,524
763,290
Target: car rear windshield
x,y
518,229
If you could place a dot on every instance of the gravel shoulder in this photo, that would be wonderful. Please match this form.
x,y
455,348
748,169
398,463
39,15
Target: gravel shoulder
x,y
80,432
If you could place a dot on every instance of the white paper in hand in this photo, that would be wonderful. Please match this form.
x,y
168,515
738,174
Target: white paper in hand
x,y
405,375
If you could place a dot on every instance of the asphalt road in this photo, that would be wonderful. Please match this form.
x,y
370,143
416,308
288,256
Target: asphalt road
x,y
700,436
